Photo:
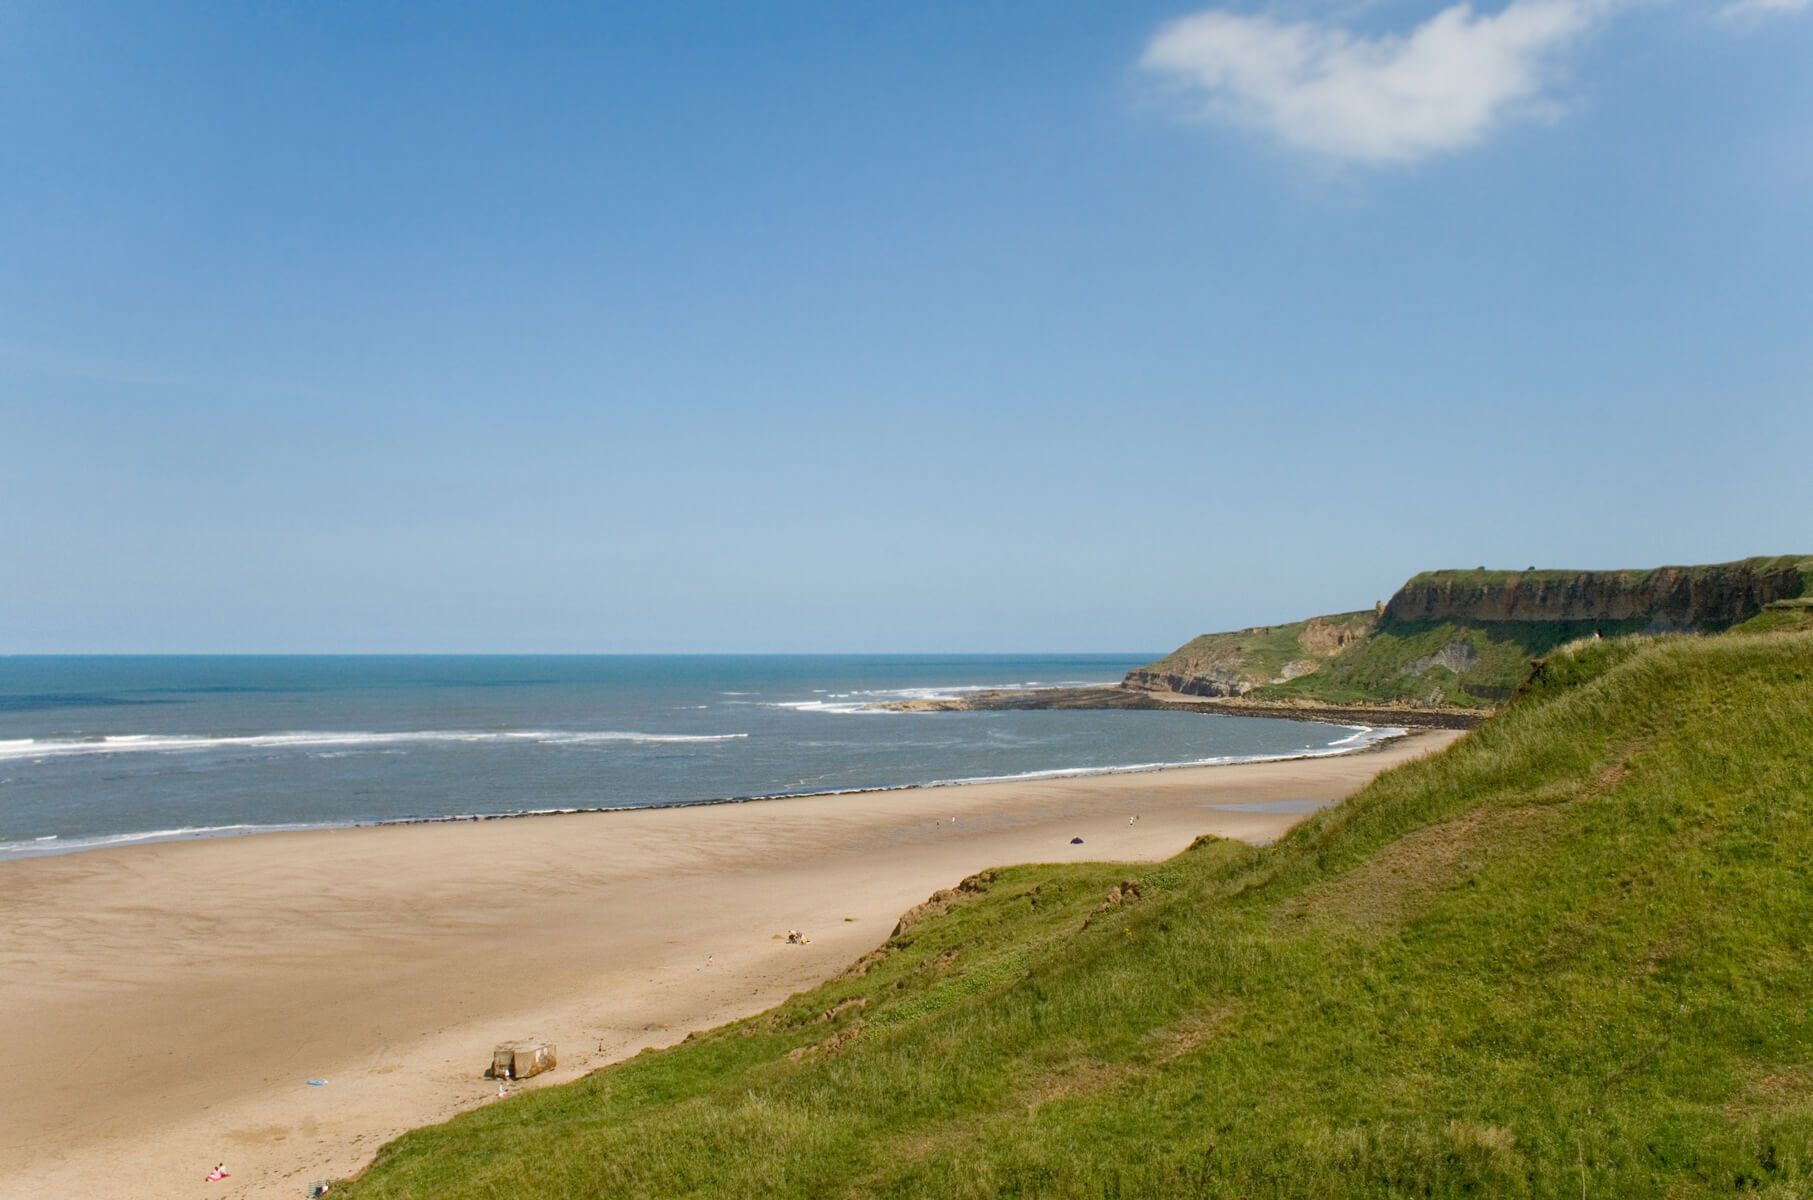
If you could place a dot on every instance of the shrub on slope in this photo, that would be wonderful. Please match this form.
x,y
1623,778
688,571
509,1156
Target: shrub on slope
x,y
1569,956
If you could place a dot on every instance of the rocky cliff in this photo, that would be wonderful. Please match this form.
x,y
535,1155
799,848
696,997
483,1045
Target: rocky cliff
x,y
1467,638
1667,599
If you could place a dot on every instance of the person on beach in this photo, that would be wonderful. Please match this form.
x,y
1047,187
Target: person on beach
x,y
218,1173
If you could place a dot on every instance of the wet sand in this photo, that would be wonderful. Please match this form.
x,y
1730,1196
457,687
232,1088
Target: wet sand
x,y
167,1005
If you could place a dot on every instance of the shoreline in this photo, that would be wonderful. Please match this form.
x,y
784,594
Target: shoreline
x,y
56,846
1120,696
177,998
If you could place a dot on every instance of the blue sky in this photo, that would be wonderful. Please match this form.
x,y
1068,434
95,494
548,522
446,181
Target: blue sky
x,y
831,327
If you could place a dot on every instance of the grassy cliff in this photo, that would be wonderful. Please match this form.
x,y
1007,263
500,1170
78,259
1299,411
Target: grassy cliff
x,y
1572,955
1466,638
1783,616
1427,663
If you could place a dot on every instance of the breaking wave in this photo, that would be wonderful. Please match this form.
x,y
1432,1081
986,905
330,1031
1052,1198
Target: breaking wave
x,y
875,700
156,743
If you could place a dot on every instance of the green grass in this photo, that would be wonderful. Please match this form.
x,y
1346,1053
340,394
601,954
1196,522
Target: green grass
x,y
1783,616
1261,655
1375,669
1571,956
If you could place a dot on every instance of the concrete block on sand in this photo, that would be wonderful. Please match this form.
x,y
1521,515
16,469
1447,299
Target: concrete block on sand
x,y
519,1060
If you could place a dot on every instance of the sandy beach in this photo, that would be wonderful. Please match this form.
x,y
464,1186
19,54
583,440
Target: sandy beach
x,y
168,1005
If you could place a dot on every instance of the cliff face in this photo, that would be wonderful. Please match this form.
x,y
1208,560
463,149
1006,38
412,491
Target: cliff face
x,y
1667,598
1467,637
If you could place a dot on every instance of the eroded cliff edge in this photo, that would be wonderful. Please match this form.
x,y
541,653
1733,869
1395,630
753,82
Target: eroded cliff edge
x,y
1666,599
1465,639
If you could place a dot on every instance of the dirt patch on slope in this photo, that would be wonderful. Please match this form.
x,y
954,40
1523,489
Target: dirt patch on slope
x,y
1782,1091
1407,878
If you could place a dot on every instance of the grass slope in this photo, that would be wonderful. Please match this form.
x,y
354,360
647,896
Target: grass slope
x,y
1379,668
1783,616
1264,653
1380,663
1568,957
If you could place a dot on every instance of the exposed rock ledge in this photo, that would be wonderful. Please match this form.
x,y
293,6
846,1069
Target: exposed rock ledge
x,y
1115,695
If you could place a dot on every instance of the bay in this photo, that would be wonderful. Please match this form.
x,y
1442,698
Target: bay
x,y
98,751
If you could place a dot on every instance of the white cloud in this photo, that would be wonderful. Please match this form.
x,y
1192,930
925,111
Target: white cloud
x,y
1389,98
1749,11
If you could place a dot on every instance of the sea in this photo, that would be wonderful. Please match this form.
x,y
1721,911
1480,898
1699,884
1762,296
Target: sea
x,y
107,751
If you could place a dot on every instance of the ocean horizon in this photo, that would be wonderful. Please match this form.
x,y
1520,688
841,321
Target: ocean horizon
x,y
107,750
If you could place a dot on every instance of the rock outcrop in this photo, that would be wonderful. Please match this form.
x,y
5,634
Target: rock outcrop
x,y
1203,681
1458,656
1325,637
1667,599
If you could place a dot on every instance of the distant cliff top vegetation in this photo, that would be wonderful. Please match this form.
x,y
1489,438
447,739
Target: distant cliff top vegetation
x,y
1761,565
